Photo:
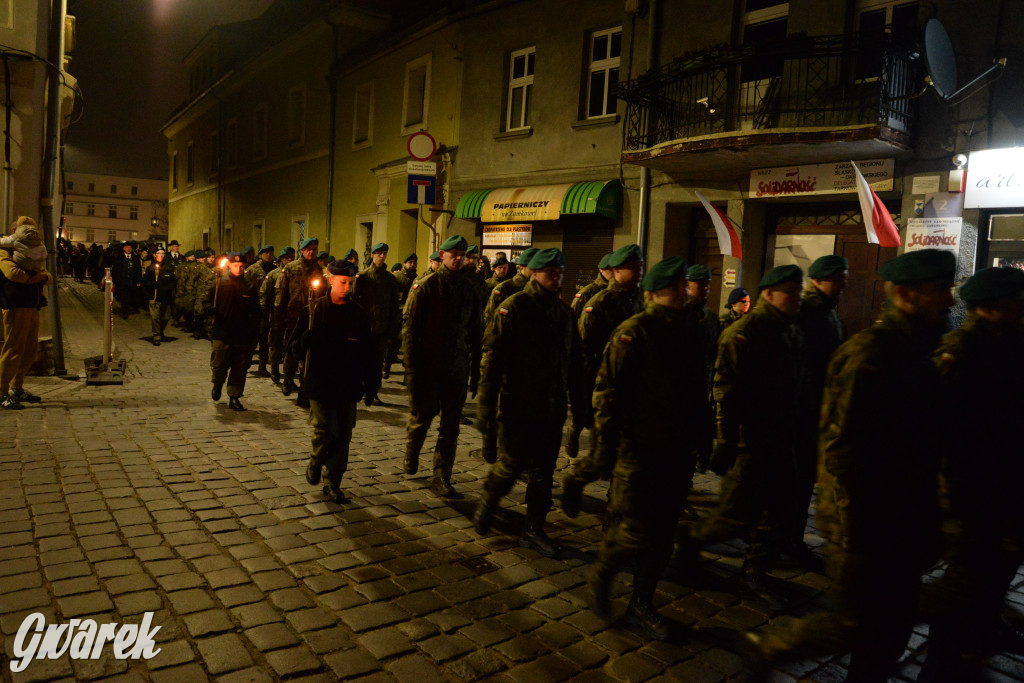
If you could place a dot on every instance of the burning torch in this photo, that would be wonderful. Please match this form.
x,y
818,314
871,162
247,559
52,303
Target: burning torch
x,y
156,280
313,287
216,287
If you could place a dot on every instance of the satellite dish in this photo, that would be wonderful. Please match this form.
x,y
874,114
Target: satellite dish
x,y
940,60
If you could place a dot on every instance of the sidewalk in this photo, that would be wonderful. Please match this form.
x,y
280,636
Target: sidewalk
x,y
148,497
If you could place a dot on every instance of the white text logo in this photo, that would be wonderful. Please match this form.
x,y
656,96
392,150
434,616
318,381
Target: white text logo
x,y
82,639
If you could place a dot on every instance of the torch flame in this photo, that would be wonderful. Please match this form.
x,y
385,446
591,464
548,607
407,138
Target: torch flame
x,y
316,283
223,262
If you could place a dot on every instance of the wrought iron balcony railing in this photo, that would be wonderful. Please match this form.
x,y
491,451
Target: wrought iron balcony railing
x,y
802,82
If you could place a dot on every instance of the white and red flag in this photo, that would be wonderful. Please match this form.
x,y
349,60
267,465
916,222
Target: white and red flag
x,y
877,221
728,238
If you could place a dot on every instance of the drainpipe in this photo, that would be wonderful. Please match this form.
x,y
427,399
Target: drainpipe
x,y
332,88
47,185
644,215
8,107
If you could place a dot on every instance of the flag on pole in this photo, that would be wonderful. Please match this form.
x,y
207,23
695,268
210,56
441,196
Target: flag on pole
x,y
728,238
877,221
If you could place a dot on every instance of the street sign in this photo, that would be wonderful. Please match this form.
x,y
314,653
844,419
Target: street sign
x,y
422,189
420,168
421,146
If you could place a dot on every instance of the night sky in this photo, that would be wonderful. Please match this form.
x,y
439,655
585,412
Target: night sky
x,y
128,62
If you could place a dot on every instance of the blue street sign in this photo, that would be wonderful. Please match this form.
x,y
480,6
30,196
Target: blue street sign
x,y
422,189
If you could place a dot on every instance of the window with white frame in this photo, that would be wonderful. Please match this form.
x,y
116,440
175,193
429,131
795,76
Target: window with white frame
x,y
605,51
764,21
259,132
133,213
190,163
90,234
111,235
520,88
297,116
69,208
362,116
875,19
174,170
416,95
90,209
214,153
231,143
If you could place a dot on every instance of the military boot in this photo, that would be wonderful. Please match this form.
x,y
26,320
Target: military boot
x,y
411,464
261,371
599,581
572,442
442,486
533,535
483,516
275,373
572,495
641,613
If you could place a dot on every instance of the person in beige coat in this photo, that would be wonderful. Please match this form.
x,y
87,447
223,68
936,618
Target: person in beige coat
x,y
22,277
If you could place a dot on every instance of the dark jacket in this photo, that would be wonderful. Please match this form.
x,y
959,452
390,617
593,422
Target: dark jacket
x,y
442,329
342,364
376,291
163,283
236,315
126,271
15,292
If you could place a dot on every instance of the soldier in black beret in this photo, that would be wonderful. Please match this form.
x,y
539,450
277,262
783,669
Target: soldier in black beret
x,y
236,316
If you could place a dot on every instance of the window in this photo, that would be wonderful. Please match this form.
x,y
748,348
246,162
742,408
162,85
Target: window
x,y
416,95
190,164
92,187
135,235
113,189
214,153
133,213
231,142
90,209
764,21
875,19
111,235
174,171
297,116
69,208
112,212
259,132
605,48
71,184
520,88
362,117
90,235
135,189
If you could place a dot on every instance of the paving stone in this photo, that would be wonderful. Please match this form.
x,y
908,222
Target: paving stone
x,y
367,617
82,584
250,675
137,603
487,632
415,669
444,647
584,655
292,661
240,595
210,621
328,640
84,605
289,599
172,654
477,666
256,614
186,672
546,669
191,600
224,653
271,637
351,663
385,643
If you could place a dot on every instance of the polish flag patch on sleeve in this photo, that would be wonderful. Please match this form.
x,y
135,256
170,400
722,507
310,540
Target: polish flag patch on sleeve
x,y
625,339
503,311
589,309
948,358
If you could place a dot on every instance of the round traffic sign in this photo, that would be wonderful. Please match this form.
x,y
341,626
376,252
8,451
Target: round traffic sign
x,y
421,146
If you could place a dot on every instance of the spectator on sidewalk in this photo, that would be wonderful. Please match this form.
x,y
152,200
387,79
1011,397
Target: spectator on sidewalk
x,y
22,276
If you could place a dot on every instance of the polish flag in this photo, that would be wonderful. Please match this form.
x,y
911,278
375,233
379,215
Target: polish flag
x,y
728,238
877,221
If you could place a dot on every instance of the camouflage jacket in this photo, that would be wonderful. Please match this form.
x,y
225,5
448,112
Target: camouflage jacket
x,y
823,333
982,370
494,281
406,279
605,311
760,384
531,360
268,291
376,291
728,318
256,274
479,284
292,293
203,282
583,296
442,327
880,443
184,273
502,292
649,391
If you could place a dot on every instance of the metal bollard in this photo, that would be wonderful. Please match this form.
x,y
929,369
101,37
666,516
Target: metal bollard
x,y
108,317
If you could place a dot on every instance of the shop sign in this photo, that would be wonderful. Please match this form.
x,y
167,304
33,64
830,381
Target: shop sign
x,y
540,203
995,179
934,233
816,179
508,235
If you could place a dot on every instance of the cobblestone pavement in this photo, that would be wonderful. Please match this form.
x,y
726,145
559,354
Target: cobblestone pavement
x,y
148,497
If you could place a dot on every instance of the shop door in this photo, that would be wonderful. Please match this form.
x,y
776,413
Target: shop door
x,y
862,302
583,246
704,250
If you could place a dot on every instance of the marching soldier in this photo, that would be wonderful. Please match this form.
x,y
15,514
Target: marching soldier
x,y
604,276
530,364
760,391
235,324
202,283
432,265
352,257
376,291
248,256
649,385
738,306
877,486
268,294
293,292
158,288
605,311
474,277
509,287
441,346
321,260
501,269
406,277
341,372
698,287
254,278
183,283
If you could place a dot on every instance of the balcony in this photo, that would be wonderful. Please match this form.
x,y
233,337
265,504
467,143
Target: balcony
x,y
803,100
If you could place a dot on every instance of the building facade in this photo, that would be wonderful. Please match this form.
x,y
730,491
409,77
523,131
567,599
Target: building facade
x,y
102,208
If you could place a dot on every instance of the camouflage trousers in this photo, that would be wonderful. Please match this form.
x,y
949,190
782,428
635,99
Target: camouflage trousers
x,y
276,342
428,398
526,446
332,433
230,362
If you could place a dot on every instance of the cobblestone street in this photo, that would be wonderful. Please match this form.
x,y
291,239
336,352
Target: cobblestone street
x,y
148,497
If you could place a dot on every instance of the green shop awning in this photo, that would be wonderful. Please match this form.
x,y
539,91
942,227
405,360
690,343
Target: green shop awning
x,y
542,202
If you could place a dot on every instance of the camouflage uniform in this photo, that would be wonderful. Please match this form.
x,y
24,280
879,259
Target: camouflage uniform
x,y
530,365
649,387
441,346
494,281
708,325
186,272
268,319
760,390
254,276
377,292
502,292
203,283
877,496
406,279
728,318
605,311
292,296
585,294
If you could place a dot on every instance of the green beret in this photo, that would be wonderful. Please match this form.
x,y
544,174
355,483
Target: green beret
x,y
698,272
395,268
920,266
308,241
990,284
349,254
663,274
322,254
603,263
267,248
524,258
211,252
827,266
473,250
249,250
545,258
500,261
189,253
234,256
781,274
624,255
285,252
411,257
453,243
290,249
380,246
436,256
